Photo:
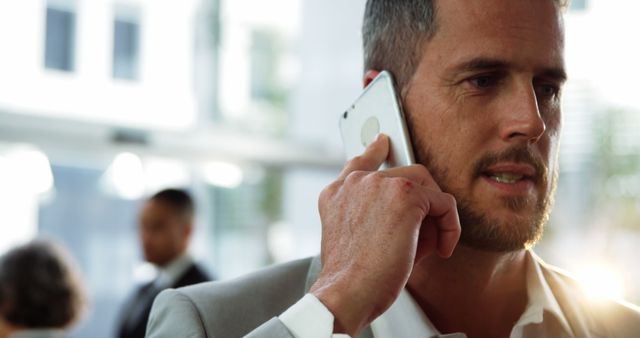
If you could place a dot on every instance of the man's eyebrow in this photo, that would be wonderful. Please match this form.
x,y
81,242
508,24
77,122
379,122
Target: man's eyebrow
x,y
557,74
481,63
485,63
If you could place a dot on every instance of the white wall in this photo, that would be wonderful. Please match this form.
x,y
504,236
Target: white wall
x,y
331,73
162,98
602,50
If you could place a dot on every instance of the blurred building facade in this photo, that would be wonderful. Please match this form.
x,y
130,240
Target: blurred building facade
x,y
104,102
119,62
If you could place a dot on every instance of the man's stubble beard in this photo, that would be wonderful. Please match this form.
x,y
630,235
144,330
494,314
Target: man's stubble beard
x,y
479,230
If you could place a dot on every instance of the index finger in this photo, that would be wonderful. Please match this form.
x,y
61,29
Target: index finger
x,y
372,158
443,211
415,172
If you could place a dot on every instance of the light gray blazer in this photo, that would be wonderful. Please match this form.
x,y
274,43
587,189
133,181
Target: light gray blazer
x,y
249,306
39,333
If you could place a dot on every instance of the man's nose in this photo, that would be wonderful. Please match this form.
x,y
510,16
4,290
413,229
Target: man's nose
x,y
522,121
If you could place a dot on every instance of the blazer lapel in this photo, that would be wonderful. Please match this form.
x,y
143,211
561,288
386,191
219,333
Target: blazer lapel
x,y
573,304
312,276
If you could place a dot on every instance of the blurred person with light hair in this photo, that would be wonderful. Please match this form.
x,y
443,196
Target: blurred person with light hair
x,y
41,295
165,229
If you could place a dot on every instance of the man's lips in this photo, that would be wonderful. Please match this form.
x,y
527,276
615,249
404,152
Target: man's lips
x,y
524,171
511,179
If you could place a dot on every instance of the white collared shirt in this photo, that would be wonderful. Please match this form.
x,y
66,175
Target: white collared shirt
x,y
169,274
542,317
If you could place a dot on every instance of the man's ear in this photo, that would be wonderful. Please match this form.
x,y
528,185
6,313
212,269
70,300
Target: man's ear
x,y
187,229
369,75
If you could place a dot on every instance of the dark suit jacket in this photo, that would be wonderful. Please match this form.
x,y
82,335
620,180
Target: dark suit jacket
x,y
249,306
193,275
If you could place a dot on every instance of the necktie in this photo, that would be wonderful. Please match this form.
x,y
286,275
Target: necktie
x,y
142,301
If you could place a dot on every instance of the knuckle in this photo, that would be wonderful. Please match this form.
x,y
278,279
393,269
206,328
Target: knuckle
x,y
400,186
451,199
325,194
329,191
376,176
355,177
424,173
421,169
373,178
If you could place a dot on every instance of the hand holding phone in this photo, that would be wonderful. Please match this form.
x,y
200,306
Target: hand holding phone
x,y
376,226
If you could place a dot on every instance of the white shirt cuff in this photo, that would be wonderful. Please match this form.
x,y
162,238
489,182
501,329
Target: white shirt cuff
x,y
309,318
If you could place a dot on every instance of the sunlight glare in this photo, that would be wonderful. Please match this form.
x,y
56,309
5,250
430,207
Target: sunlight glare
x,y
600,281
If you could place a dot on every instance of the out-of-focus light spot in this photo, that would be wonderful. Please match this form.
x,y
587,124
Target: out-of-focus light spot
x,y
601,282
25,175
27,170
4,170
161,173
222,174
280,242
125,176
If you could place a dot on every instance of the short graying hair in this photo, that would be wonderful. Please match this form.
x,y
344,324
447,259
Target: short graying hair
x,y
393,32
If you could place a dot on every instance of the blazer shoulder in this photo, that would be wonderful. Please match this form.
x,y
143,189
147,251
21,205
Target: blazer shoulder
x,y
174,315
235,307
262,285
615,318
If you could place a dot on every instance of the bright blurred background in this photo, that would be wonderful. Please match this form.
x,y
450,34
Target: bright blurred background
x,y
103,102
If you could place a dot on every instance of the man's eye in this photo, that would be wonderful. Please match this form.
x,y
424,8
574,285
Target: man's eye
x,y
547,90
483,82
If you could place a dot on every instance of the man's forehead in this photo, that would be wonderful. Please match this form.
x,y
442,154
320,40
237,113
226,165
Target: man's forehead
x,y
491,17
507,32
157,208
485,9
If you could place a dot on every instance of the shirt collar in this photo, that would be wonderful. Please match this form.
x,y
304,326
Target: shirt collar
x,y
169,273
414,323
404,310
541,298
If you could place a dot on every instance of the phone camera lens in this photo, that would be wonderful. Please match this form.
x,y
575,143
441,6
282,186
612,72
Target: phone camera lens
x,y
345,114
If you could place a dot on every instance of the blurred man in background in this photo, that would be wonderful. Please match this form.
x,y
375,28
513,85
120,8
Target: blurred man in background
x,y
40,291
166,226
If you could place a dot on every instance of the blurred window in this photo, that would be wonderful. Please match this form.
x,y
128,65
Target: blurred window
x,y
264,57
126,42
241,217
60,39
578,5
258,63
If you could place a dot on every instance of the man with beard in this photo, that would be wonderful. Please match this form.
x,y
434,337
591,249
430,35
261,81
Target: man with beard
x,y
440,248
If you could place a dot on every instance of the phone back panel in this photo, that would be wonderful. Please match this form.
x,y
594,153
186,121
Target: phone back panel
x,y
377,110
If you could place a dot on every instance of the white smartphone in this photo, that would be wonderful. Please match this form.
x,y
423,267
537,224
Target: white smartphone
x,y
377,110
